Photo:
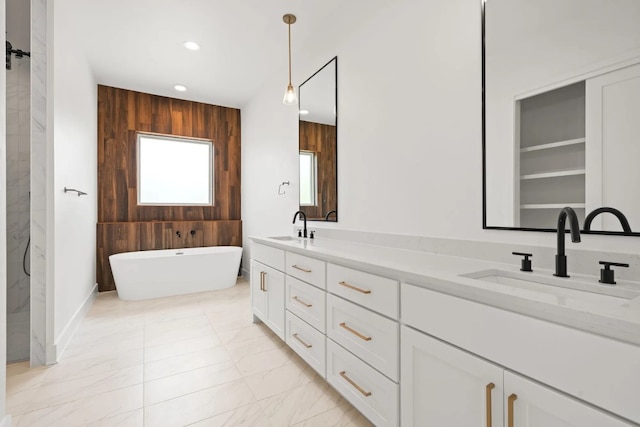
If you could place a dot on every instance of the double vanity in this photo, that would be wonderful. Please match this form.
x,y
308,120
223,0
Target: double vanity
x,y
417,339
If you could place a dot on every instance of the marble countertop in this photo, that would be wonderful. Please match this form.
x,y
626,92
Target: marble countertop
x,y
615,317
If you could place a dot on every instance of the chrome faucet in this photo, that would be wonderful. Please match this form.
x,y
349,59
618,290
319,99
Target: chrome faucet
x,y
561,258
623,220
304,218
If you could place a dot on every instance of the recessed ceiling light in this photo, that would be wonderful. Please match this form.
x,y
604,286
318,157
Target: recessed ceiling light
x,y
180,88
304,112
192,45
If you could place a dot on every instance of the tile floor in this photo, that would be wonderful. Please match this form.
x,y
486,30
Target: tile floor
x,y
194,360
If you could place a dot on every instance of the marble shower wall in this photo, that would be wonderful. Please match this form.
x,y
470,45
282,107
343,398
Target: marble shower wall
x,y
18,207
39,183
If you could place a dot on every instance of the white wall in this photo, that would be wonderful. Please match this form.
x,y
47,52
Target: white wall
x,y
75,166
409,130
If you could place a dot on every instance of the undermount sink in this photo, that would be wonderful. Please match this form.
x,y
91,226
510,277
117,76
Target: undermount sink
x,y
562,291
286,238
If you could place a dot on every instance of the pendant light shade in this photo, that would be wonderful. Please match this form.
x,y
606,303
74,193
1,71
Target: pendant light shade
x,y
290,96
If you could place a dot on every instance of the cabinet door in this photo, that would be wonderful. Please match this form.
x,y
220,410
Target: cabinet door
x,y
258,295
612,129
444,386
534,405
273,287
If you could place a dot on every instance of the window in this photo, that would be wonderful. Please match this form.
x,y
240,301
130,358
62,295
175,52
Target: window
x,y
308,188
174,171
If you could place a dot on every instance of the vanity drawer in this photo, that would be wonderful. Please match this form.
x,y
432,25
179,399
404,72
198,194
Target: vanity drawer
x,y
268,256
375,292
307,302
307,342
368,335
308,269
367,389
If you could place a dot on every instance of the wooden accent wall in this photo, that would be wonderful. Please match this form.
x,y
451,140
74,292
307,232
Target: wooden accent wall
x,y
123,226
123,113
117,237
321,139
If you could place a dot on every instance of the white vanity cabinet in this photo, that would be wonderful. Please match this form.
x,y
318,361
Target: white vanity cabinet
x,y
305,317
363,341
410,355
267,296
443,385
567,367
368,335
305,298
530,404
267,287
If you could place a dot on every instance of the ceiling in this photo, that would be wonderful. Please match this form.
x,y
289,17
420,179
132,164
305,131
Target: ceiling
x,y
138,44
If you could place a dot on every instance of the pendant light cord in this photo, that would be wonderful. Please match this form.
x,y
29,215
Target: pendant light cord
x,y
289,26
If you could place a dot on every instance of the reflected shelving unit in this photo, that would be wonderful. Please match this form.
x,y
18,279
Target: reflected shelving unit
x,y
550,137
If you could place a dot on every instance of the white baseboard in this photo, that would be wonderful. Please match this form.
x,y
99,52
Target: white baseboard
x,y
63,341
6,421
246,274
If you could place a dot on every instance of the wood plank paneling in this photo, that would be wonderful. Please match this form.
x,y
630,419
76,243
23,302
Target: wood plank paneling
x,y
118,237
123,113
123,226
321,139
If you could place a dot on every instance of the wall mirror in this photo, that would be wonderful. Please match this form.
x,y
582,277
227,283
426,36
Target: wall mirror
x,y
318,144
561,114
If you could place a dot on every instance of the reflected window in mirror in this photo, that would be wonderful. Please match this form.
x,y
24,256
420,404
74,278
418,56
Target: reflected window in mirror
x,y
318,144
561,101
308,187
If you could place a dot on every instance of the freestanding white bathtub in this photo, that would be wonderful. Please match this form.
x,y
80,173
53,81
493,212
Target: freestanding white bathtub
x,y
161,273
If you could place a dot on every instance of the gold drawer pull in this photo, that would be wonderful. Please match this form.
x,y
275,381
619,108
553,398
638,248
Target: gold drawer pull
x,y
512,398
301,342
355,288
263,286
488,390
302,302
365,393
306,270
354,332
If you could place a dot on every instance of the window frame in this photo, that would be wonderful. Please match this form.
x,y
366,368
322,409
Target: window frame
x,y
176,138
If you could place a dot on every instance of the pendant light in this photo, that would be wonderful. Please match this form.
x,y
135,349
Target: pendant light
x,y
290,97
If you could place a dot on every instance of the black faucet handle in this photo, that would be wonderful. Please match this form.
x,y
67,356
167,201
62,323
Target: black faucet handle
x,y
312,234
607,275
526,262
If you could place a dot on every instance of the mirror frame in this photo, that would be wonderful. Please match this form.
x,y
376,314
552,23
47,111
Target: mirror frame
x,y
484,156
335,58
